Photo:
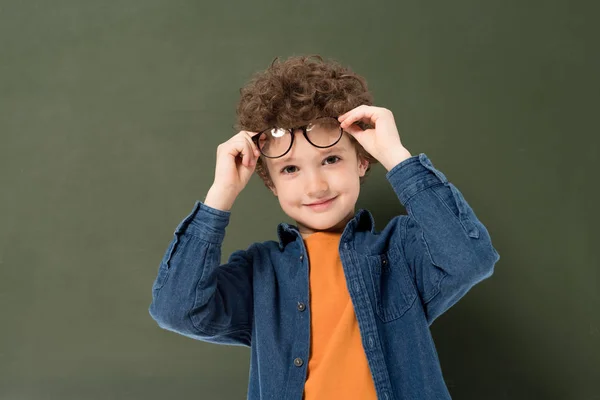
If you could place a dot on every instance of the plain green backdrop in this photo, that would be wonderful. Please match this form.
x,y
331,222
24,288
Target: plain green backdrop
x,y
110,114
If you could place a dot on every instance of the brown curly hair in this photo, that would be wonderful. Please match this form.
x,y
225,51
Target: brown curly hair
x,y
296,91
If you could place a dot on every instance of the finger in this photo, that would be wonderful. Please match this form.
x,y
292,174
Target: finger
x,y
352,111
354,130
252,134
245,135
248,154
248,137
239,148
252,156
362,113
359,114
364,120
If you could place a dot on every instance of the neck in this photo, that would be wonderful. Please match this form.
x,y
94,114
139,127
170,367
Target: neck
x,y
306,231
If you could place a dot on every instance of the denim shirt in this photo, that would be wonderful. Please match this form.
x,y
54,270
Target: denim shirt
x,y
399,279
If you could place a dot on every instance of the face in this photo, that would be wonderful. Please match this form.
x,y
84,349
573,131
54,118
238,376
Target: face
x,y
317,188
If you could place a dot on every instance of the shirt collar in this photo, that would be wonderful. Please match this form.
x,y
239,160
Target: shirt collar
x,y
362,221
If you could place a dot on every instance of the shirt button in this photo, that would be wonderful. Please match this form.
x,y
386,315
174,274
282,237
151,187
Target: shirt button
x,y
301,257
298,362
301,306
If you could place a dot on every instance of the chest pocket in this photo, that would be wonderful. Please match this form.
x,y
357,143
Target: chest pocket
x,y
393,288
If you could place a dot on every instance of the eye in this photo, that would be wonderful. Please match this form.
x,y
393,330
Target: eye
x,y
288,169
331,160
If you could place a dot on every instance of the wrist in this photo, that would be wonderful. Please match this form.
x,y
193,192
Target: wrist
x,y
396,157
220,198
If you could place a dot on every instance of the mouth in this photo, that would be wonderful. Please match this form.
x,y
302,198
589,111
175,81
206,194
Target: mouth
x,y
321,204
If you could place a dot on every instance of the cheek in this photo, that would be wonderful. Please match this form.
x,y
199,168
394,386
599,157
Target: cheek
x,y
349,178
289,194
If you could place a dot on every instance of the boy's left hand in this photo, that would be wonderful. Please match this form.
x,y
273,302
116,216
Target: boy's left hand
x,y
382,142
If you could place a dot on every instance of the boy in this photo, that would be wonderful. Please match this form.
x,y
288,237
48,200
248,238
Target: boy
x,y
334,309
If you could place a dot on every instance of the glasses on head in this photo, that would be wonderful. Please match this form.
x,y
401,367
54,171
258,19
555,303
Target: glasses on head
x,y
276,142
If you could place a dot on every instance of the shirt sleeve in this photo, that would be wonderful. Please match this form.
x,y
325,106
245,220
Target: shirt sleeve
x,y
446,247
197,296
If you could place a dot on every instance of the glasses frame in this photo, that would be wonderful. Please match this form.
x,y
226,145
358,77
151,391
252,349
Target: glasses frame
x,y
292,130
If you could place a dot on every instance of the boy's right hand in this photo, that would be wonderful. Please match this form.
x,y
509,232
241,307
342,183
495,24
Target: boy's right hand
x,y
236,161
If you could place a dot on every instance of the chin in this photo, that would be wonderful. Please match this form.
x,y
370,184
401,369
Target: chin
x,y
322,221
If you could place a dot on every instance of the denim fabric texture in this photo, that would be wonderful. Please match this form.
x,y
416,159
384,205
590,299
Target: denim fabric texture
x,y
399,279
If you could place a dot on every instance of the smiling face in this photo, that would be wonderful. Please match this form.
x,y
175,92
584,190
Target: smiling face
x,y
317,188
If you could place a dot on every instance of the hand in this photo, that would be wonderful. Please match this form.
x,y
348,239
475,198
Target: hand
x,y
236,161
382,142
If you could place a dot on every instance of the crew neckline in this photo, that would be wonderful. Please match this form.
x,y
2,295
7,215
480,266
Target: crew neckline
x,y
323,235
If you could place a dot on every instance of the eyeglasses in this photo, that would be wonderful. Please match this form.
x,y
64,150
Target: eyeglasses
x,y
276,142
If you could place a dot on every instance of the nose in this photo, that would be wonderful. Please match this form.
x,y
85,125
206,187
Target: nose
x,y
316,185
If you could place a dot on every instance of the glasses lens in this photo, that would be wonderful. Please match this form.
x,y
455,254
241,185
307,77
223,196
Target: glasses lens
x,y
273,142
324,132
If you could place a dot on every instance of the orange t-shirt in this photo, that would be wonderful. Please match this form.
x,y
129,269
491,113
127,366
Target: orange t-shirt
x,y
337,365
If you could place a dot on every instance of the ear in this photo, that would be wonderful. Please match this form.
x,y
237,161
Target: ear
x,y
269,182
273,189
363,164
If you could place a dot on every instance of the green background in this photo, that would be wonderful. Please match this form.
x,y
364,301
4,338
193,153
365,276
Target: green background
x,y
110,114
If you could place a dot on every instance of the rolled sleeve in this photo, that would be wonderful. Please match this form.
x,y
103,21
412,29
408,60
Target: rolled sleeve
x,y
205,222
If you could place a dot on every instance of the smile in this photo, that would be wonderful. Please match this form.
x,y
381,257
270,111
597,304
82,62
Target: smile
x,y
322,205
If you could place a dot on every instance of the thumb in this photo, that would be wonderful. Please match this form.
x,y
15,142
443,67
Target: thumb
x,y
247,171
355,131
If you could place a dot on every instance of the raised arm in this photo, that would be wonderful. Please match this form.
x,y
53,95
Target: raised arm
x,y
197,296
447,249
194,294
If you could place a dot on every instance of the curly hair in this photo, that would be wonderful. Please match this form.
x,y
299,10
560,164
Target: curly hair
x,y
295,92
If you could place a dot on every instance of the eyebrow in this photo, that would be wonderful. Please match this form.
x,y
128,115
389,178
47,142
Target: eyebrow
x,y
278,161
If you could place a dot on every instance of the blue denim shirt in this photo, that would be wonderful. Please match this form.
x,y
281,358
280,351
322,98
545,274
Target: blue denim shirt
x,y
399,279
